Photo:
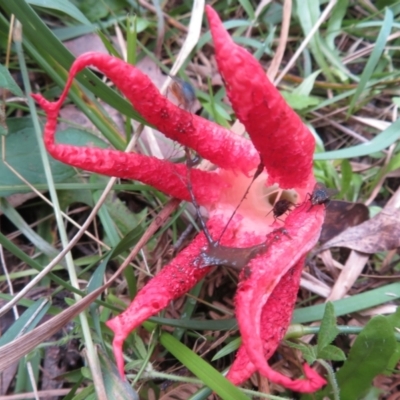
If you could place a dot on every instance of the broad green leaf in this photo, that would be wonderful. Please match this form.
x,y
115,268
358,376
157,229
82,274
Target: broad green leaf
x,y
64,6
373,393
21,152
332,353
8,82
328,330
78,193
204,371
368,357
394,321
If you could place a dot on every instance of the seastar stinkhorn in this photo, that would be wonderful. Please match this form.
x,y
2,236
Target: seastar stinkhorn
x,y
268,287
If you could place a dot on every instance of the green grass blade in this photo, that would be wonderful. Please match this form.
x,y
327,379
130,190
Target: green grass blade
x,y
308,15
204,371
374,58
64,6
248,8
26,230
351,304
24,324
378,143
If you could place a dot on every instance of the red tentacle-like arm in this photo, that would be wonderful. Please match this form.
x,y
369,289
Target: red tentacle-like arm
x,y
285,144
173,281
273,324
211,141
163,175
257,295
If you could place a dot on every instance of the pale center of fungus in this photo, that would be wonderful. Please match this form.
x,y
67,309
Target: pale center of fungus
x,y
257,208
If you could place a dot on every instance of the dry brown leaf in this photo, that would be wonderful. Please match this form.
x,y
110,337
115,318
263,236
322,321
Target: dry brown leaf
x,y
380,233
341,215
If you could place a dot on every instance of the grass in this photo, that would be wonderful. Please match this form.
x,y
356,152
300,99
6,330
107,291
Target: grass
x,y
64,231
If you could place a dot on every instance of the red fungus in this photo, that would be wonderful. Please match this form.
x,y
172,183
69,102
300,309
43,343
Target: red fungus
x,y
268,285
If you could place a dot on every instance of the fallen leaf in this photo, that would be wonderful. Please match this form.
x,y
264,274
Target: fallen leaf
x,y
341,215
380,233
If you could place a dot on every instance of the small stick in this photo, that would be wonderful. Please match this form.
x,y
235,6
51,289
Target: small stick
x,y
258,172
